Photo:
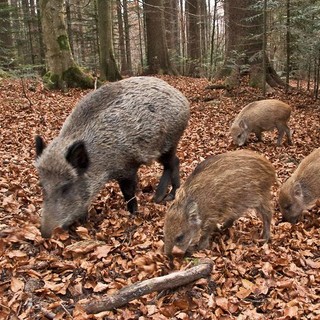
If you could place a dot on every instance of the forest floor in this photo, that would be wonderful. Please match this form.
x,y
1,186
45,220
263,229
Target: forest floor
x,y
46,279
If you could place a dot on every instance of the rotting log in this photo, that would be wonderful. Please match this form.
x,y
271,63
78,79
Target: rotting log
x,y
134,291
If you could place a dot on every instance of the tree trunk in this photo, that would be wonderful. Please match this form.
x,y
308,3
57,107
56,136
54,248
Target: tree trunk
x,y
6,41
62,70
157,51
172,29
244,44
108,67
122,48
193,38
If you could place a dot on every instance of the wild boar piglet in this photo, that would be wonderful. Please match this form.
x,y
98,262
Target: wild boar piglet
x,y
219,191
108,135
259,116
302,189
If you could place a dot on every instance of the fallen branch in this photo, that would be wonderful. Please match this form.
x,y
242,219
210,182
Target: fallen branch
x,y
134,291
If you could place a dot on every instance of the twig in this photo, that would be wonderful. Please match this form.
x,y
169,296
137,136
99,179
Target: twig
x,y
25,93
134,291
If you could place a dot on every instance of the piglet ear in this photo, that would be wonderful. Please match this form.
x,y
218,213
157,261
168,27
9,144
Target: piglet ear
x,y
78,157
243,125
297,190
40,146
192,212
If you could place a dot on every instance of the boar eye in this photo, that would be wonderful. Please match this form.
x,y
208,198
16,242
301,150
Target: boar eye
x,y
180,238
65,189
287,207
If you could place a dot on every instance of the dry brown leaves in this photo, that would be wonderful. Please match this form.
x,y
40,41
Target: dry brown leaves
x,y
47,278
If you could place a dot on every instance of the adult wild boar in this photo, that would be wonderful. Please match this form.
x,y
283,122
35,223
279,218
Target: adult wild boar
x,y
109,134
219,191
302,189
259,116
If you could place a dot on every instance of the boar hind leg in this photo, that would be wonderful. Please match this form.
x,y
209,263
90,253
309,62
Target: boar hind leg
x,y
266,215
258,135
128,187
170,173
288,134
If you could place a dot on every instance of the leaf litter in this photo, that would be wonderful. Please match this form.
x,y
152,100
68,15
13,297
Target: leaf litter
x,y
42,278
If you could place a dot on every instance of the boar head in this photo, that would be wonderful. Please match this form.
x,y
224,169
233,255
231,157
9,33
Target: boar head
x,y
239,133
291,202
63,179
182,228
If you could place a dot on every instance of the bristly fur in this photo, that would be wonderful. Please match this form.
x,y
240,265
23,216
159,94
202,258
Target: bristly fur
x,y
302,189
223,188
108,135
259,116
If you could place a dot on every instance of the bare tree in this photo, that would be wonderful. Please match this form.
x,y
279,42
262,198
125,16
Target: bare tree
x,y
157,50
108,67
244,45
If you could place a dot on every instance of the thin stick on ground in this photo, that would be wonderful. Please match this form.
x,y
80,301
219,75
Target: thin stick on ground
x,y
170,281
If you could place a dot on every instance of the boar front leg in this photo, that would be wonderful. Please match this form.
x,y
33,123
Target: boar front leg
x,y
258,134
265,212
128,187
170,173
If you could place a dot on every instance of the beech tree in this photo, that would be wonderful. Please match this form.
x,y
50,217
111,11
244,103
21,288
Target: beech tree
x,y
244,45
108,66
157,50
62,72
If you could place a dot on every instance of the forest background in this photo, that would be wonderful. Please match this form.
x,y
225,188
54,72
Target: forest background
x,y
71,42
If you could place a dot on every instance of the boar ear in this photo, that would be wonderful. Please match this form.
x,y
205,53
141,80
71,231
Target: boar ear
x,y
40,146
297,190
192,211
243,125
77,156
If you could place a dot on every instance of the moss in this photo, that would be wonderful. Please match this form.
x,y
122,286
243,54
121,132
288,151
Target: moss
x,y
51,81
63,42
76,78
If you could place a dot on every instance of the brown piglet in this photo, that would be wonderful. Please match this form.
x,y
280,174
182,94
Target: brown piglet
x,y
302,189
259,116
219,191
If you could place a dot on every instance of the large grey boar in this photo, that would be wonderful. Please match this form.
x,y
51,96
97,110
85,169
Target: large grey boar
x,y
259,116
219,191
109,134
302,189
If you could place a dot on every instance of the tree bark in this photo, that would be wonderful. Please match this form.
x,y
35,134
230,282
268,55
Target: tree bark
x,y
6,41
139,289
108,67
244,44
193,38
63,72
157,50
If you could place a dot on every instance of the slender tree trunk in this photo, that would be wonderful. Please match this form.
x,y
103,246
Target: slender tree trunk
x,y
108,67
264,49
288,45
6,41
122,48
183,38
63,71
127,36
140,35
194,38
213,33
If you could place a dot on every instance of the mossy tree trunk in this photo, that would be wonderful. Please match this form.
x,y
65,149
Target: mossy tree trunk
x,y
63,72
244,46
